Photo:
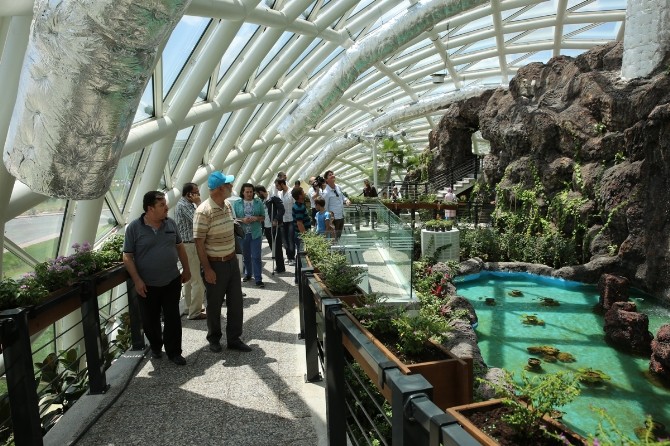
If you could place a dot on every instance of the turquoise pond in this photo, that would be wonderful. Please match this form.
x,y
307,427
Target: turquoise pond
x,y
572,327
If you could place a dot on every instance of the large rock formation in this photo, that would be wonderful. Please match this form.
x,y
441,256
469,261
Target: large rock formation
x,y
628,330
660,354
578,125
612,289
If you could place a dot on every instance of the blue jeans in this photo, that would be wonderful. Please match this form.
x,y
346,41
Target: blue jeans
x,y
251,254
288,238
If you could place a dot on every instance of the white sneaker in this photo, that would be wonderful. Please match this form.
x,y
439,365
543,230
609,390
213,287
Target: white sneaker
x,y
291,263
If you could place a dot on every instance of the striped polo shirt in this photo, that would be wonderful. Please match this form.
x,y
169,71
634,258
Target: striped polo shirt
x,y
215,224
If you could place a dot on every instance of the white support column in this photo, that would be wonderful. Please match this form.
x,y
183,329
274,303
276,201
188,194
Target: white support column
x,y
15,45
158,158
375,179
646,37
84,227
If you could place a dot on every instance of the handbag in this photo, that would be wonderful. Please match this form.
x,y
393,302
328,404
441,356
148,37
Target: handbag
x,y
239,235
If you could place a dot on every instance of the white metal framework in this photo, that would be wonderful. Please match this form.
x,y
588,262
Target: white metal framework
x,y
234,70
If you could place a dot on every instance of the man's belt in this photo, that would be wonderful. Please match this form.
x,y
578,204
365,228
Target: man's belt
x,y
222,259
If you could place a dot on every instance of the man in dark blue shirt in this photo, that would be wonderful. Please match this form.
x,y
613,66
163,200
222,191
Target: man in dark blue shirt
x,y
151,247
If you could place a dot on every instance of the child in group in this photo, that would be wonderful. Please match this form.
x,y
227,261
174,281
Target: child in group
x,y
324,224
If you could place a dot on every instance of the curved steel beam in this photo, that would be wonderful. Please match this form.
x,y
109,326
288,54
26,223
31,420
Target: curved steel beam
x,y
361,56
394,116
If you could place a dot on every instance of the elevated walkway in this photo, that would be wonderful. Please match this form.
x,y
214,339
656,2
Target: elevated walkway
x,y
228,398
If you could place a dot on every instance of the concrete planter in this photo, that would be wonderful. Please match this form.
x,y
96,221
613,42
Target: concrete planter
x,y
448,242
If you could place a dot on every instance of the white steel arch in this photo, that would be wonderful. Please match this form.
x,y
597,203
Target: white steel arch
x,y
253,102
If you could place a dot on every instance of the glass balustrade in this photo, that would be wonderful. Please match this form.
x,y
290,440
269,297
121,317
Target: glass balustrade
x,y
376,237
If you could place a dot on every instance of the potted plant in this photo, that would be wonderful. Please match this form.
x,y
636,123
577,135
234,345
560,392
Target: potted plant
x,y
432,225
339,277
53,281
523,415
317,247
412,340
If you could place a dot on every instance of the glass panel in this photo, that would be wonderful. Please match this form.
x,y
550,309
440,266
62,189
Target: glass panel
x,y
219,129
417,46
13,267
106,223
480,45
240,41
604,5
146,108
602,31
178,148
537,35
399,10
304,54
360,6
38,230
179,47
381,239
510,37
252,118
276,48
309,10
483,23
509,12
546,9
326,61
123,178
202,96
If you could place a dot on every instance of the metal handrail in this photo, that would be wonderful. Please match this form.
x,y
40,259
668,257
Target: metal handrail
x,y
416,420
17,324
447,178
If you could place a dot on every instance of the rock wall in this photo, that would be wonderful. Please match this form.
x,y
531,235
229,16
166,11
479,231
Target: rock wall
x,y
580,124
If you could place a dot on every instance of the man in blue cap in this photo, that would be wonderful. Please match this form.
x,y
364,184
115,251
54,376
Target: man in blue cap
x,y
214,235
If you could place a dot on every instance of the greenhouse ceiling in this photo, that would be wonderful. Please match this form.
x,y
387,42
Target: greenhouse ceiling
x,y
255,87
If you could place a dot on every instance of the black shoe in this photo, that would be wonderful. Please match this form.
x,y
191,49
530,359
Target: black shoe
x,y
216,348
260,284
156,354
179,360
239,345
280,271
246,278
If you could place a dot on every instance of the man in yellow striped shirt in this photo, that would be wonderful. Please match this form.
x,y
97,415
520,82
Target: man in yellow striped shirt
x,y
213,232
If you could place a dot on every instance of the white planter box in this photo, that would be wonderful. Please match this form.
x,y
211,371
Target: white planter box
x,y
449,241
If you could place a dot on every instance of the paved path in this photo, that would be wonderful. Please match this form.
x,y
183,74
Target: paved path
x,y
229,398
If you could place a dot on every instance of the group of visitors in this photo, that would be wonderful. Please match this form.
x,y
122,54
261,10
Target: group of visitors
x,y
205,237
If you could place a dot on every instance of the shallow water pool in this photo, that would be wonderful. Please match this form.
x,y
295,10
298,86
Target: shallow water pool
x,y
572,327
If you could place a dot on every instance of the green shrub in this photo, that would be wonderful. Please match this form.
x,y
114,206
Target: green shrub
x,y
535,397
339,276
415,330
374,313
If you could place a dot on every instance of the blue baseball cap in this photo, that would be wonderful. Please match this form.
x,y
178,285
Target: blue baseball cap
x,y
218,178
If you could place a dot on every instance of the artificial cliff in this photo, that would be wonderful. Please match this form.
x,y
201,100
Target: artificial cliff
x,y
581,127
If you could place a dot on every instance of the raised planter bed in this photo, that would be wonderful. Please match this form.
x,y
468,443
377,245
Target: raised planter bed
x,y
491,411
451,377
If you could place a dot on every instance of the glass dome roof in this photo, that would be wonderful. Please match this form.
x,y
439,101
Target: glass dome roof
x,y
234,71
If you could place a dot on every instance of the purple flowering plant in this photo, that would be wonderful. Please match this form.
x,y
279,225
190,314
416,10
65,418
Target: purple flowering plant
x,y
65,270
60,272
